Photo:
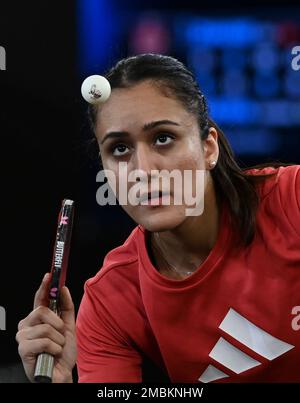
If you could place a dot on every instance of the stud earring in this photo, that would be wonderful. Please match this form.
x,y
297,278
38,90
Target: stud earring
x,y
212,164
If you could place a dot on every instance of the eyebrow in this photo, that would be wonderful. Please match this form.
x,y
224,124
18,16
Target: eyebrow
x,y
146,127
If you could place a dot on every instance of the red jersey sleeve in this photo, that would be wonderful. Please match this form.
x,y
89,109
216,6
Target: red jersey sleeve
x,y
104,355
289,195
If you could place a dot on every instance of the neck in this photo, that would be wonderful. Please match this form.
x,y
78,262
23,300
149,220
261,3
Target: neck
x,y
189,244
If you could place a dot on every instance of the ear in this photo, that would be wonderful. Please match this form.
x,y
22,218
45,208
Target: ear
x,y
211,149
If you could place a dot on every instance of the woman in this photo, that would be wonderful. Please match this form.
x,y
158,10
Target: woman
x,y
206,297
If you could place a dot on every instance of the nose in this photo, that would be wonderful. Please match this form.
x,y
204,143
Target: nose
x,y
144,159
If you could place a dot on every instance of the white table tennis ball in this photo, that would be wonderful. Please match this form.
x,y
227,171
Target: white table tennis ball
x,y
95,89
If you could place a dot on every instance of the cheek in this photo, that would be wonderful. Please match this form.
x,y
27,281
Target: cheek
x,y
112,168
191,159
191,155
107,162
191,162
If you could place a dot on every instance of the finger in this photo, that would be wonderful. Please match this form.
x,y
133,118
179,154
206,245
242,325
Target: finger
x,y
42,314
41,296
30,348
43,331
67,311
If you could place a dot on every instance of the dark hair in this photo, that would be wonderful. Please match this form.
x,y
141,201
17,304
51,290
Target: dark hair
x,y
233,185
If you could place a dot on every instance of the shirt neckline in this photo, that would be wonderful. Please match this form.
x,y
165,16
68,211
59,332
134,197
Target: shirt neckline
x,y
218,251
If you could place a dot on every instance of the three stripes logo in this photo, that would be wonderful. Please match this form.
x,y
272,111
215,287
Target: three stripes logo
x,y
250,335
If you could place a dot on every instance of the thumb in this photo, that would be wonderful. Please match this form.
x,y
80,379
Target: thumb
x,y
41,296
66,307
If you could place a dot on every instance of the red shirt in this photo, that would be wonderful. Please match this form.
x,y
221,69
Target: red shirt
x,y
236,319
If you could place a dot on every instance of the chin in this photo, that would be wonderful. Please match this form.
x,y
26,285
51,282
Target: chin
x,y
161,219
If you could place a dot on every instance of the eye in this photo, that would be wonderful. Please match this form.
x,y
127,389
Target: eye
x,y
119,150
164,139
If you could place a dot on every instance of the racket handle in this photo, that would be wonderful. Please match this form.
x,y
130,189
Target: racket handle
x,y
45,362
44,368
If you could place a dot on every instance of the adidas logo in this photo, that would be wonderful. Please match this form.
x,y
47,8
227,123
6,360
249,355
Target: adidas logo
x,y
236,360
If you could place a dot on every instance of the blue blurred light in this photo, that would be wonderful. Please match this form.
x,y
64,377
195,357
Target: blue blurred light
x,y
228,110
266,57
233,33
280,113
247,111
292,84
266,85
202,59
275,113
234,58
234,83
252,90
207,83
294,113
253,141
97,25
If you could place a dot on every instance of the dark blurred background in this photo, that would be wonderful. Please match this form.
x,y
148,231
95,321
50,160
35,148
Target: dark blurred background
x,y
241,56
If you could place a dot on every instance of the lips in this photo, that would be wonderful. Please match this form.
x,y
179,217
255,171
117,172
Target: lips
x,y
155,194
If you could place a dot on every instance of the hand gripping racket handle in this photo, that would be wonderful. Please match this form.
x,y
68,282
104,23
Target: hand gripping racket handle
x,y
45,362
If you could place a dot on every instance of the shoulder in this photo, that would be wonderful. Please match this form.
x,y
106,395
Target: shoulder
x,y
121,261
281,180
280,196
114,289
